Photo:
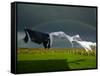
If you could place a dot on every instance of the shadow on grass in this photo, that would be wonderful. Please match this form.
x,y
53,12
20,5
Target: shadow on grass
x,y
42,66
77,61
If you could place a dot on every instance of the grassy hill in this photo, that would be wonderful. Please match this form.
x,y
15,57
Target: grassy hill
x,y
41,60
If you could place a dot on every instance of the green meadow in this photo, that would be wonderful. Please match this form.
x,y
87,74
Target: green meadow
x,y
55,59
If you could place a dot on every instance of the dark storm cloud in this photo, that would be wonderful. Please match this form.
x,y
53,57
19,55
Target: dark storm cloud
x,y
31,15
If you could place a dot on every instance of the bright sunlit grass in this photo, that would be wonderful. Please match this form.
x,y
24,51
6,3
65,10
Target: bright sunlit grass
x,y
76,58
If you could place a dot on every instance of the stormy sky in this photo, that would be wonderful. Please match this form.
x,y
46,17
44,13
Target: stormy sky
x,y
47,18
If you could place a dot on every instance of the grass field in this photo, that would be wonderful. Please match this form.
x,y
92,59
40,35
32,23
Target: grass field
x,y
40,60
